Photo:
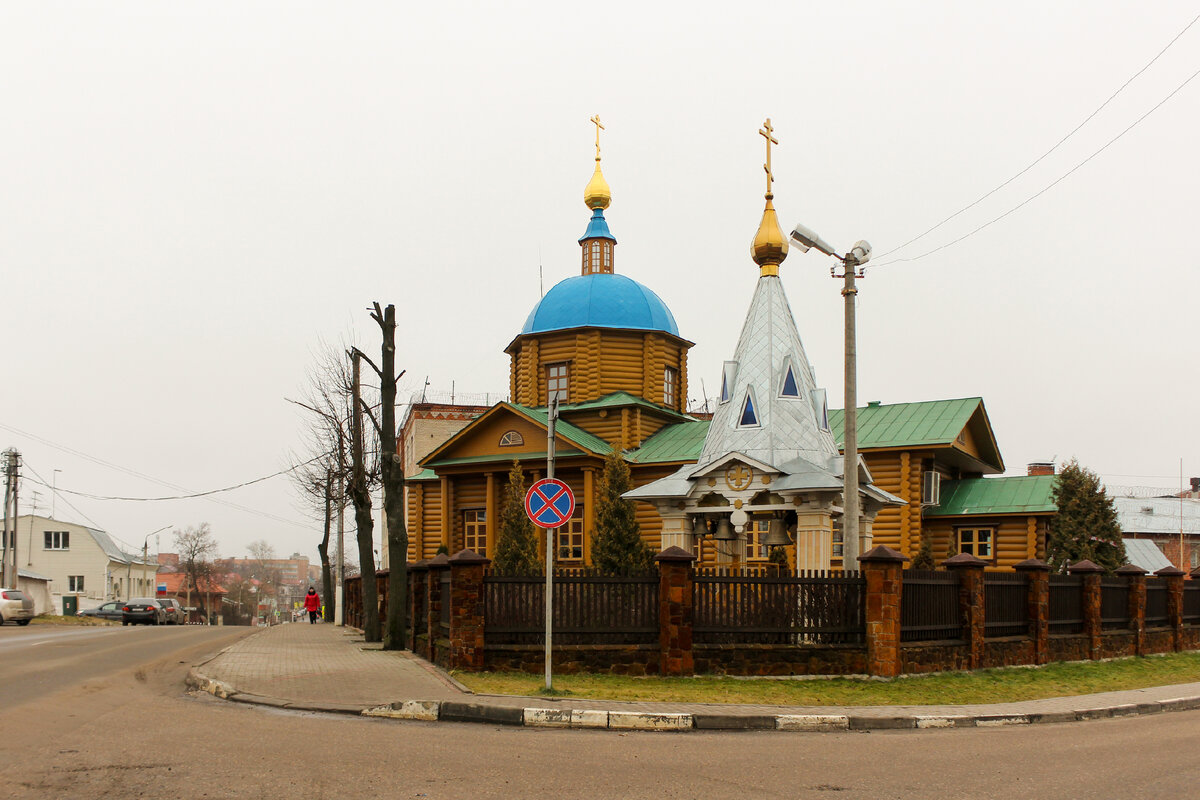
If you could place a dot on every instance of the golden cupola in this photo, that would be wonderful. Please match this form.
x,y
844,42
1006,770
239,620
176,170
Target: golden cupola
x,y
597,194
770,246
597,241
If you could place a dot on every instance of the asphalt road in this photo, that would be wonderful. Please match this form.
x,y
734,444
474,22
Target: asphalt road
x,y
112,720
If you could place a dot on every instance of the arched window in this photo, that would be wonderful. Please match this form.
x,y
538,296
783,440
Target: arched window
x,y
608,255
512,439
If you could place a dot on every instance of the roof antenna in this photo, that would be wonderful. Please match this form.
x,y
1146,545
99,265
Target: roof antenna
x,y
541,288
423,388
704,392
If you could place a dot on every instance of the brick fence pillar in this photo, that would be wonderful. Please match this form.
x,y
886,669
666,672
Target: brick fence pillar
x,y
1037,605
419,589
466,610
1174,578
676,583
883,570
433,590
970,603
1091,604
1136,577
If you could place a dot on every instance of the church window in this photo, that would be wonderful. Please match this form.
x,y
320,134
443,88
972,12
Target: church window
x,y
475,530
728,373
669,380
556,382
756,533
512,439
839,539
790,387
608,255
570,539
821,408
976,542
749,418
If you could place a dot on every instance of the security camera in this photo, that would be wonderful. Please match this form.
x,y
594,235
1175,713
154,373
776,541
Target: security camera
x,y
861,251
805,238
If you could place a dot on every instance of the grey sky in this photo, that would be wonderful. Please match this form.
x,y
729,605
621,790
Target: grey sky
x,y
196,194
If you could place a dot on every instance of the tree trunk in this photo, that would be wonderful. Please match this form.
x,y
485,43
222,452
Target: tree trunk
x,y
361,497
395,636
323,549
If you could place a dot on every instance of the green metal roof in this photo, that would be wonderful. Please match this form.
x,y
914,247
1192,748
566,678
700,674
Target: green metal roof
x,y
1018,495
423,475
907,424
622,400
680,442
505,458
565,429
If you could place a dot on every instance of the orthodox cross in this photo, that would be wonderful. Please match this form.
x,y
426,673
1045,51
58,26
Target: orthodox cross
x,y
596,121
765,132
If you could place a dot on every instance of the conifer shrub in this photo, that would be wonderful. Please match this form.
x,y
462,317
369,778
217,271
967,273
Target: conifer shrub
x,y
517,542
617,546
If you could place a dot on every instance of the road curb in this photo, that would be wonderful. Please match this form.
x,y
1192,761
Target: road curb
x,y
602,719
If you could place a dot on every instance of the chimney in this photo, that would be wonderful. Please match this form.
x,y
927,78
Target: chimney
x,y
1195,485
1041,468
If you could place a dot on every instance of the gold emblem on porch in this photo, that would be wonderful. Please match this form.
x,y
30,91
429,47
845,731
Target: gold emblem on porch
x,y
738,476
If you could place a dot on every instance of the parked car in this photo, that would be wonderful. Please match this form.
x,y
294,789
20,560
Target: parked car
x,y
109,610
144,610
174,612
16,606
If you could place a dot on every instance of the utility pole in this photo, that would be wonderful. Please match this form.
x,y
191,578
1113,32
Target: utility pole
x,y
850,502
8,564
551,418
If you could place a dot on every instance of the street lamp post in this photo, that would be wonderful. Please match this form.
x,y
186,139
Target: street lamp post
x,y
851,264
129,566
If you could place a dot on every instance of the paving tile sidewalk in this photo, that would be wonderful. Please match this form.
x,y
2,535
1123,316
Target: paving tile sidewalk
x,y
317,666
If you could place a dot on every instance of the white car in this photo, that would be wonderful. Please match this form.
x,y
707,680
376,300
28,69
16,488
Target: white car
x,y
15,606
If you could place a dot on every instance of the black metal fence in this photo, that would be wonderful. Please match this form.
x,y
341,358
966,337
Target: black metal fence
x,y
749,607
588,608
1005,604
445,603
1191,602
1114,604
1156,603
1066,604
929,608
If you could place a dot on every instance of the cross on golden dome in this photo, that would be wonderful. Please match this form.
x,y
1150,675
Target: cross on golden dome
x,y
596,121
766,132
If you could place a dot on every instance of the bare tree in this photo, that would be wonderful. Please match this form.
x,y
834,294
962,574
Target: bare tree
x,y
321,481
197,548
360,495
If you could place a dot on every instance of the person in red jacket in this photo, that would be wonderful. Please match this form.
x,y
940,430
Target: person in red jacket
x,y
312,604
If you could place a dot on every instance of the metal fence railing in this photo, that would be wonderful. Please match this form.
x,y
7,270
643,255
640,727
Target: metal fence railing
x,y
750,607
929,608
1066,604
1191,602
589,608
1156,603
1114,604
1006,607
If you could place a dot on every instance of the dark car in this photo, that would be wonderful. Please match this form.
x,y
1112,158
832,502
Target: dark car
x,y
143,610
109,610
172,609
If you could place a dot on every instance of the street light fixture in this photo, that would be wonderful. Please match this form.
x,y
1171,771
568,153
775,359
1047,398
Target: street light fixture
x,y
129,566
860,254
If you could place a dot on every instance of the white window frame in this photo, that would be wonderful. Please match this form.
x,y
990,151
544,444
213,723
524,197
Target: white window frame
x,y
56,540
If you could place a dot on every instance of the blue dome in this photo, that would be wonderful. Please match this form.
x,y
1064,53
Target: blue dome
x,y
600,301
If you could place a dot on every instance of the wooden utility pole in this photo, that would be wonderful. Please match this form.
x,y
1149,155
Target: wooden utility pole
x,y
391,472
360,493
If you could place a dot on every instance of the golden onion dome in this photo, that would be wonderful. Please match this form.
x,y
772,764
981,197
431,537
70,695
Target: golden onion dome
x,y
597,194
770,246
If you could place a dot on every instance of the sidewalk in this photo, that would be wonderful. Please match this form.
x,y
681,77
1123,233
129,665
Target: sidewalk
x,y
326,668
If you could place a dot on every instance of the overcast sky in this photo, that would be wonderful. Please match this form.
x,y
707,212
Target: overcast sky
x,y
193,196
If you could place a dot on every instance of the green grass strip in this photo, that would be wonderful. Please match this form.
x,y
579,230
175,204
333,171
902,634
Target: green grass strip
x,y
951,688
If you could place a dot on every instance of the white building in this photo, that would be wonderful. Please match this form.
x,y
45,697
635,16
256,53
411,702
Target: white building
x,y
81,562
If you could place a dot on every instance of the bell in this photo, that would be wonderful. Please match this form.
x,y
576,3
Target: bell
x,y
700,525
776,534
725,532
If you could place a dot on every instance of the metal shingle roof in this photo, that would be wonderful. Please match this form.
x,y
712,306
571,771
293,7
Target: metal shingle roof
x,y
680,442
1017,495
907,424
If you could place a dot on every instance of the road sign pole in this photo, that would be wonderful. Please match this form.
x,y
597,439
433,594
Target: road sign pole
x,y
551,418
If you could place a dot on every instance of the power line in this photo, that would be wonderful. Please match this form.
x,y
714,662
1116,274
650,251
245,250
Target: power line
x,y
42,481
188,496
1057,144
143,476
1059,180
